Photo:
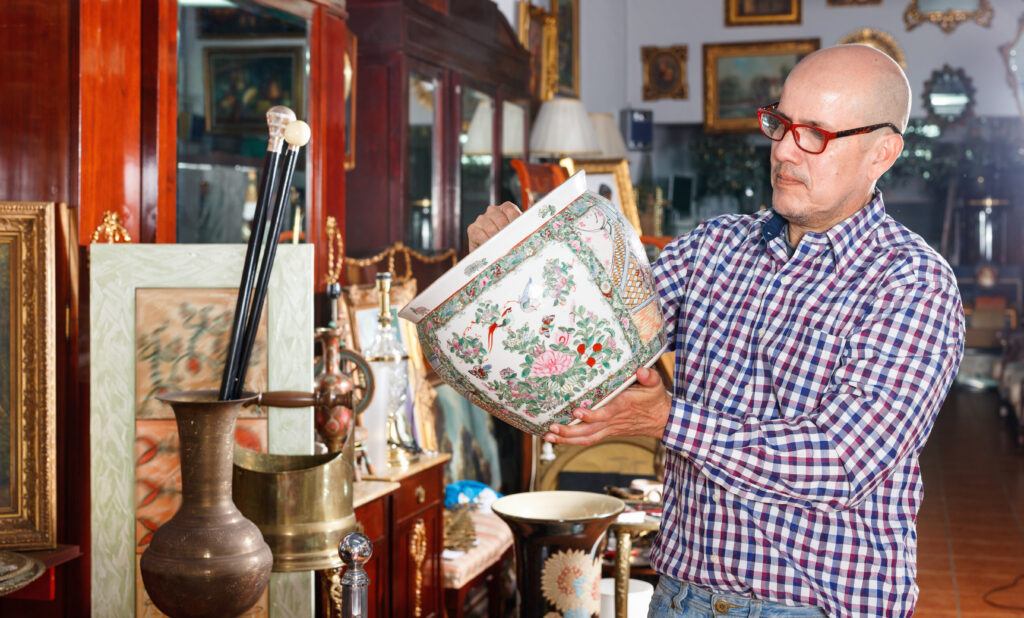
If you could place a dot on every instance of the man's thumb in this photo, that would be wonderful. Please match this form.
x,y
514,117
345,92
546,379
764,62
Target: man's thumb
x,y
647,377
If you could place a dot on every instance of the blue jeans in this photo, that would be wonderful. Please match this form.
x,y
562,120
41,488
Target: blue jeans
x,y
676,599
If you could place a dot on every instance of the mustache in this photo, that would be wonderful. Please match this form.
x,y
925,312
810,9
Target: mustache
x,y
788,170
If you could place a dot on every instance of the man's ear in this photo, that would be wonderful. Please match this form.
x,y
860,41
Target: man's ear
x,y
885,153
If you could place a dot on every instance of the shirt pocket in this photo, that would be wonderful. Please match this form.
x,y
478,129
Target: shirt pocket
x,y
803,369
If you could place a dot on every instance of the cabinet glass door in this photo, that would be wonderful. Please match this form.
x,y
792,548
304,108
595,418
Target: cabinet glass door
x,y
422,197
476,160
513,146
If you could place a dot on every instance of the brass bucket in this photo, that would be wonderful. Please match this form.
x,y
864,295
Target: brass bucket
x,y
301,503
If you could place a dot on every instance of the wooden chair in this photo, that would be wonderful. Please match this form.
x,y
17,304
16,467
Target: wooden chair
x,y
537,179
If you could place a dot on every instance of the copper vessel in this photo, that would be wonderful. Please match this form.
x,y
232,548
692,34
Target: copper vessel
x,y
208,560
301,503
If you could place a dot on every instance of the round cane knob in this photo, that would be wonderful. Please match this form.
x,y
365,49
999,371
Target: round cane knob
x,y
297,134
355,549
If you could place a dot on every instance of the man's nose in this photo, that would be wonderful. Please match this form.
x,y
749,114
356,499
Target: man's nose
x,y
786,149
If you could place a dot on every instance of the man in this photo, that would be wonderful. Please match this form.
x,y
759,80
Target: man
x,y
814,345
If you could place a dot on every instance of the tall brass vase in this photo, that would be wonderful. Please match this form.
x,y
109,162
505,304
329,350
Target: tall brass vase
x,y
208,560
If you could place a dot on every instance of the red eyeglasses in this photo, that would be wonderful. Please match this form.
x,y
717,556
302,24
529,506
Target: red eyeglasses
x,y
810,139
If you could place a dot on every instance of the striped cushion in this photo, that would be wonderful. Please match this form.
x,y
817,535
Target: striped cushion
x,y
493,538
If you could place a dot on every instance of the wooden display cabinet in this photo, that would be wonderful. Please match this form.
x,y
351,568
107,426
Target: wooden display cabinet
x,y
431,150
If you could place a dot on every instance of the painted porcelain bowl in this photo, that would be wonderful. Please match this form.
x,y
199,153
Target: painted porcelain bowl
x,y
556,311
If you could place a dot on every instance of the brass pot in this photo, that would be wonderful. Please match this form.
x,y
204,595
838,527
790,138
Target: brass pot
x,y
208,560
301,503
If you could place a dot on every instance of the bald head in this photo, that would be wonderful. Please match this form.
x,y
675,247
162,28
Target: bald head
x,y
871,84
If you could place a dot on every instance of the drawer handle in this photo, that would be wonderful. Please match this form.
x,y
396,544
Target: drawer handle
x,y
421,494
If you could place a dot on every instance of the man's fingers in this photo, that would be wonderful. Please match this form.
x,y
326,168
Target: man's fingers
x,y
510,211
486,225
582,434
648,377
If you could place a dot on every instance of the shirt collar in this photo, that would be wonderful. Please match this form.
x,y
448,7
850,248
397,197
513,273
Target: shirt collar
x,y
842,237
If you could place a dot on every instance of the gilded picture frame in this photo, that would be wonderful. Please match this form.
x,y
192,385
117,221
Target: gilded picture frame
x,y
762,12
665,72
28,384
351,87
880,40
740,77
117,273
567,22
538,33
611,179
978,11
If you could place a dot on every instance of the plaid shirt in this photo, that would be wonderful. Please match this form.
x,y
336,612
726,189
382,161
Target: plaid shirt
x,y
805,388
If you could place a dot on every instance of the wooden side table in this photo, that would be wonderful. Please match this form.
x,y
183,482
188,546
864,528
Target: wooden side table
x,y
416,537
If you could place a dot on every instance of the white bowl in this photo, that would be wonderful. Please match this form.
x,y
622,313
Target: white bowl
x,y
555,312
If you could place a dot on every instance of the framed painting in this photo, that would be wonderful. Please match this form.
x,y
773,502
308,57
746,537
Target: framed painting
x,y
567,20
242,83
538,32
665,72
761,12
611,180
351,65
28,370
741,77
160,316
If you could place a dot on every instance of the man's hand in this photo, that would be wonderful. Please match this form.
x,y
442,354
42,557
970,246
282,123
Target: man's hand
x,y
489,223
640,410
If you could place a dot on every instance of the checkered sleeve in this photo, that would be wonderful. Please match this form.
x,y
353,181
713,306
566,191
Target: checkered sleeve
x,y
672,272
879,406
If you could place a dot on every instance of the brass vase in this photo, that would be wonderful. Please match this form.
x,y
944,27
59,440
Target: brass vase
x,y
558,536
208,560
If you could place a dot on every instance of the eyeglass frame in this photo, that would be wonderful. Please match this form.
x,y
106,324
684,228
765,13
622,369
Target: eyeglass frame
x,y
829,135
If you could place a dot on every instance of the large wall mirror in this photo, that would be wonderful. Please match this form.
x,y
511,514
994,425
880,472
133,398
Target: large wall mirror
x,y
947,14
948,96
1013,57
236,59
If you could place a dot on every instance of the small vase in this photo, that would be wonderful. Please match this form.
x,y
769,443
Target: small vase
x,y
558,537
208,560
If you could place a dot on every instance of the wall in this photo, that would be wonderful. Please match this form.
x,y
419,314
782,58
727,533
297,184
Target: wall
x,y
612,32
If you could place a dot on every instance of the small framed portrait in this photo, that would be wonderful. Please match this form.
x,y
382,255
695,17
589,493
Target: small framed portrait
x,y
242,83
665,72
761,12
741,77
611,179
567,19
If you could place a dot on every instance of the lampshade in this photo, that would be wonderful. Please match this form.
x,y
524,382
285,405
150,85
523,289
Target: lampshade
x,y
608,136
479,135
563,129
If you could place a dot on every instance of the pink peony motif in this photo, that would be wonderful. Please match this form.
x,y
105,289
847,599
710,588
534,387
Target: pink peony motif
x,y
551,363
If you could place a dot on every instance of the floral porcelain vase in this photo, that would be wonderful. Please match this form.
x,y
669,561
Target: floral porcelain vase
x,y
558,539
556,311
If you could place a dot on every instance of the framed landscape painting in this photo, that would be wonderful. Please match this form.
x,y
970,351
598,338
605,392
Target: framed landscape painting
x,y
741,77
761,12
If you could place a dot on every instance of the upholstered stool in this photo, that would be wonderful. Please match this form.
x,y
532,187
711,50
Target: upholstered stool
x,y
480,564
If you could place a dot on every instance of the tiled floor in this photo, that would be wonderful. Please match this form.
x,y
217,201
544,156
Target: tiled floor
x,y
971,525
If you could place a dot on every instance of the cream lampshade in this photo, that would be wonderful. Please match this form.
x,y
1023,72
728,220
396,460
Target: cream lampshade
x,y
480,132
563,129
608,136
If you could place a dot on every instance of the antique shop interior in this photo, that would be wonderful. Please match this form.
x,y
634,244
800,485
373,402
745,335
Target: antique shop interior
x,y
233,250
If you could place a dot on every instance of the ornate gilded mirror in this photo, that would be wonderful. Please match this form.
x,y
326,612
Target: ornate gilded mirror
x,y
947,14
948,96
1013,57
882,41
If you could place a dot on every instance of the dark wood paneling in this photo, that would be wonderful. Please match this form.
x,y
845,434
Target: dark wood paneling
x,y
110,113
159,81
327,120
37,108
